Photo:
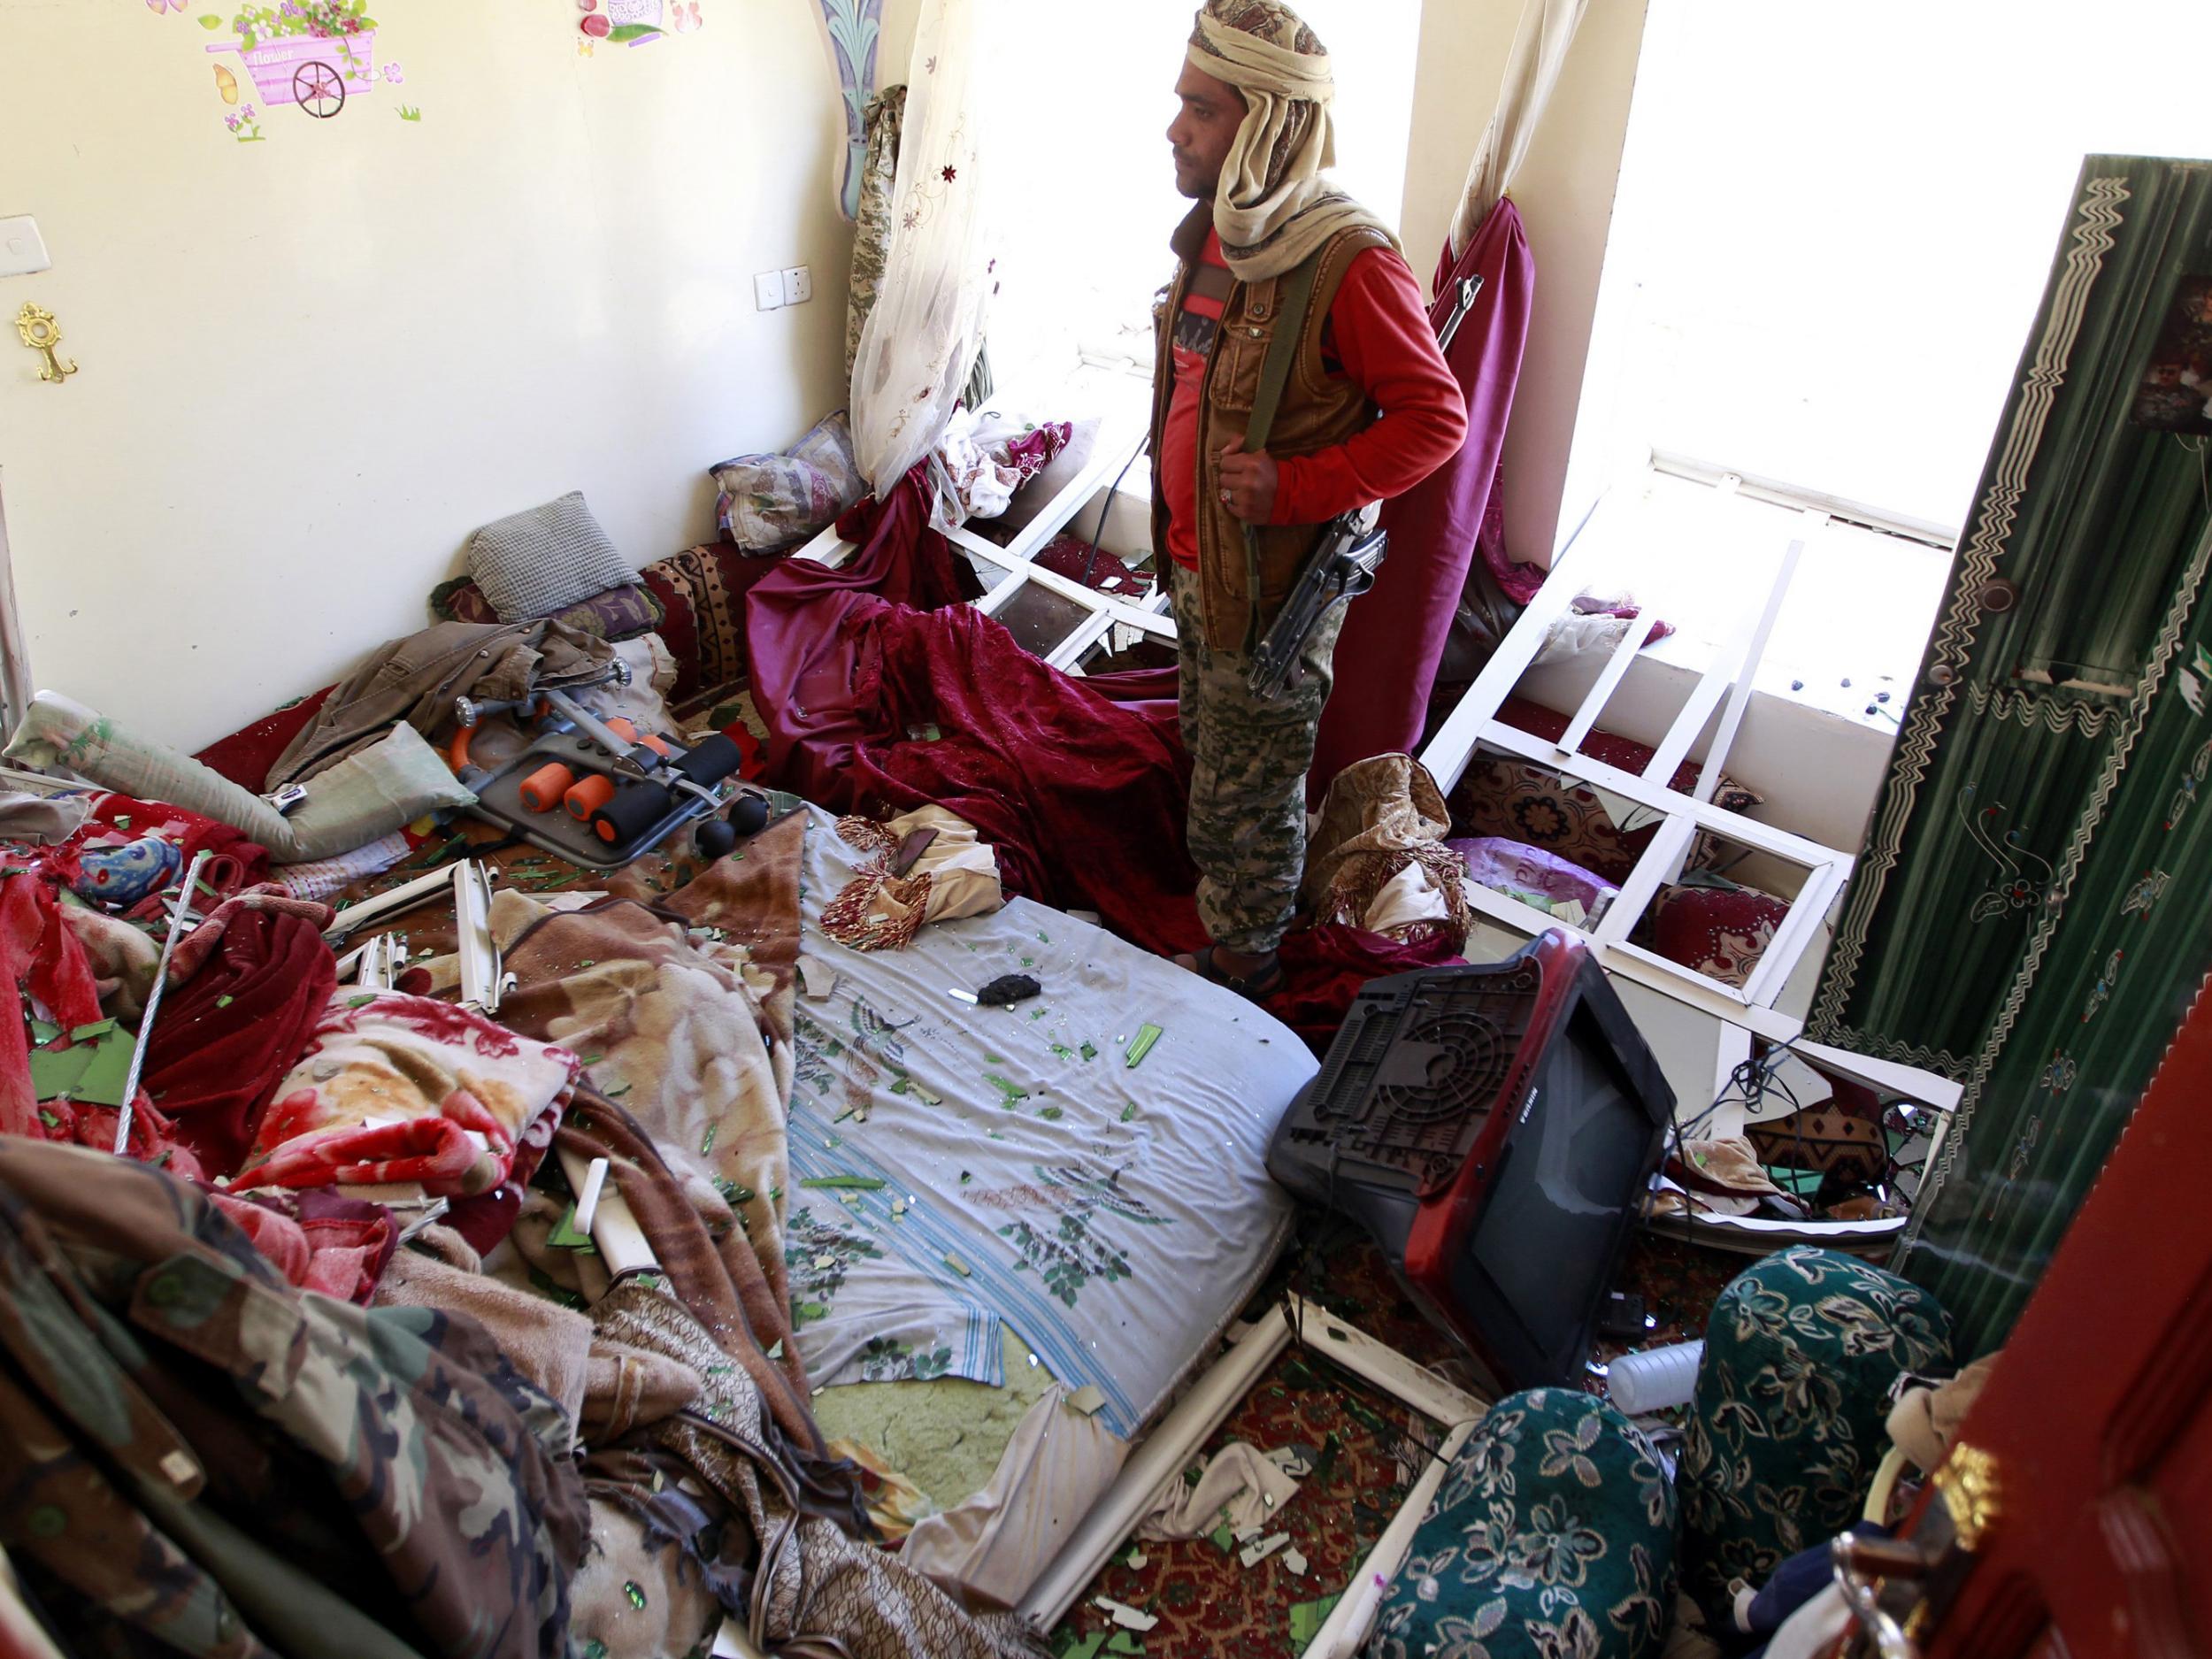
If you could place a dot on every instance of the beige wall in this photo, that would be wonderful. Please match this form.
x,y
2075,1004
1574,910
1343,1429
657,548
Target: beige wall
x,y
311,364
1564,192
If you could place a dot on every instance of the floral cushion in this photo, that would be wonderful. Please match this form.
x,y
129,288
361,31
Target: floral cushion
x,y
1523,802
1552,1534
1720,930
1801,1353
769,503
620,613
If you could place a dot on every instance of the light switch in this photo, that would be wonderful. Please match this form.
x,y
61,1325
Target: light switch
x,y
768,291
798,285
22,250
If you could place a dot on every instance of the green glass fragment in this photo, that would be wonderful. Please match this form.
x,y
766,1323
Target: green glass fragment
x,y
630,1589
1147,1035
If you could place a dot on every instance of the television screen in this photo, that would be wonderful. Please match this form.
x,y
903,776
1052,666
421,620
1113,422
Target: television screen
x,y
1552,1221
1494,1127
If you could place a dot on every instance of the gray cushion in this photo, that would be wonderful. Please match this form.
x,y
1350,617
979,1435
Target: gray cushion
x,y
532,563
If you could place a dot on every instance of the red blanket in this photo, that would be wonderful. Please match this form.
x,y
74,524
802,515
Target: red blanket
x,y
1080,784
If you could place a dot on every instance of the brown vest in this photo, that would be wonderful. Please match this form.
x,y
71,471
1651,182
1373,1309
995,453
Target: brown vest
x,y
1318,411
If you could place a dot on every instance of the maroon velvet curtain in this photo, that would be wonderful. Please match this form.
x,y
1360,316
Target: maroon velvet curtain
x,y
1393,638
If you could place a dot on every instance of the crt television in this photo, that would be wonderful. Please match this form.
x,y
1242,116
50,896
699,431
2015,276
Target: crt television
x,y
1494,1128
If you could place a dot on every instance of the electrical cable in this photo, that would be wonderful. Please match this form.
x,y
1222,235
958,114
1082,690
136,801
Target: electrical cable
x,y
1099,529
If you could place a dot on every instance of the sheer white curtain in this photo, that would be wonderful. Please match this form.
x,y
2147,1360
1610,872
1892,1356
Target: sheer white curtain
x,y
920,338
1539,50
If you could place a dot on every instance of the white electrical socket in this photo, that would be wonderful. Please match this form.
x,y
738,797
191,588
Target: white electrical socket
x,y
23,251
798,285
768,290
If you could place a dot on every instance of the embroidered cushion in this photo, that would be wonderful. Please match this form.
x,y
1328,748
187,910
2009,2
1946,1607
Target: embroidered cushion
x,y
1793,1392
620,613
769,503
1522,801
1720,930
1552,1533
534,564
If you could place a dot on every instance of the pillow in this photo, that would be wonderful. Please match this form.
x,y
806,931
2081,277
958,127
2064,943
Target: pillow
x,y
769,503
620,613
1552,1534
1534,876
1793,1390
1520,801
532,564
372,792
1721,931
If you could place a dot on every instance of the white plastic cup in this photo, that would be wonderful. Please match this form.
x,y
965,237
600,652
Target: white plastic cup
x,y
1656,1379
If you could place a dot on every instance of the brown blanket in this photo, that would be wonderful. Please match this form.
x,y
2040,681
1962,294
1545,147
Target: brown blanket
x,y
683,1014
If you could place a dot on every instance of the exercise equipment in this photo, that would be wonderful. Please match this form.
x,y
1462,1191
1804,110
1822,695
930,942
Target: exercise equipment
x,y
601,793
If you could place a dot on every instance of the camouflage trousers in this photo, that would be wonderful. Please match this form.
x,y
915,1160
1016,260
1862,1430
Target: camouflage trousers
x,y
1247,784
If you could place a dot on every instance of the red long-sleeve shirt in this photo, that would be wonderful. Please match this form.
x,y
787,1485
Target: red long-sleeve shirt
x,y
1378,335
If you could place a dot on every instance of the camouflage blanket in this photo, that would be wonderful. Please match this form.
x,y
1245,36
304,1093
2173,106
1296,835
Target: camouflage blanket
x,y
681,1011
198,1452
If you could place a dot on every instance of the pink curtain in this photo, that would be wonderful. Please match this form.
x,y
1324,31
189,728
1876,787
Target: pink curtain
x,y
1393,638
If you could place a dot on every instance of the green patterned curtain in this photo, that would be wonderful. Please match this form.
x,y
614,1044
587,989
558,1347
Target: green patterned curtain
x,y
2033,911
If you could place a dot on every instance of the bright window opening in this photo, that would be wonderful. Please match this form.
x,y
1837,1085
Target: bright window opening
x,y
1834,227
1083,243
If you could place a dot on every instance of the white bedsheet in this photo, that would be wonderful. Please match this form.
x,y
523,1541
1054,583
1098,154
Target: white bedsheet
x,y
1116,1216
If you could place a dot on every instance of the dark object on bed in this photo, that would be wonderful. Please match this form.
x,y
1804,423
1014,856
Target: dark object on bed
x,y
1006,990
1495,1129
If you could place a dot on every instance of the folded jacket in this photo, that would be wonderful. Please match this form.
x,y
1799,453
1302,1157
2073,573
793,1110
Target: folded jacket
x,y
415,680
399,1088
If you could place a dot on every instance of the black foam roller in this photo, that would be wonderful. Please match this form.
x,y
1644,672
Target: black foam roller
x,y
707,764
634,809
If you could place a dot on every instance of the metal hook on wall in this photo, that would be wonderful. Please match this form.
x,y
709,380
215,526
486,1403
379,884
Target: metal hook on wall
x,y
40,333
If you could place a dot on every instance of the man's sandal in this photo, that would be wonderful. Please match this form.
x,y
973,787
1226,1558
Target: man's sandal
x,y
1254,987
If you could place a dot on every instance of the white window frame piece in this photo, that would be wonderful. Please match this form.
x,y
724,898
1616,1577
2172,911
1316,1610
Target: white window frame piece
x,y
1162,1456
1725,688
1113,452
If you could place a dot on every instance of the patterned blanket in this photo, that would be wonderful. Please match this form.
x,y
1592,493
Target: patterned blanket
x,y
681,1013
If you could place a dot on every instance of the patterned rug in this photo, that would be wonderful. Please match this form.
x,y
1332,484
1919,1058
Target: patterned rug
x,y
1366,1448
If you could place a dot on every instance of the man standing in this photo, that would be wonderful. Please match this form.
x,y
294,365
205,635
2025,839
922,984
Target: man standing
x,y
1364,409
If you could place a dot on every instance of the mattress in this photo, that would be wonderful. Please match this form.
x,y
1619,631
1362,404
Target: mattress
x,y
957,1173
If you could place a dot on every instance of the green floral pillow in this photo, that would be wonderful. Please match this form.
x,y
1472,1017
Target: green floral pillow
x,y
1800,1354
1553,1534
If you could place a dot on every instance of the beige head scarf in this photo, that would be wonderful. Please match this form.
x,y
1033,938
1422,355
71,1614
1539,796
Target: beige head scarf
x,y
1273,208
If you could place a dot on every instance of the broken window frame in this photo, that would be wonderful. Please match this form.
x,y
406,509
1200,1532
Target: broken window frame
x,y
1113,451
1162,1456
1723,692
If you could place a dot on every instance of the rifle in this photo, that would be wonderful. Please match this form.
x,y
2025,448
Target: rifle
x,y
1344,560
1342,567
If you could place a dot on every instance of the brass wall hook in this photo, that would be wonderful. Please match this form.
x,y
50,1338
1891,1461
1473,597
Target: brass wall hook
x,y
40,334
